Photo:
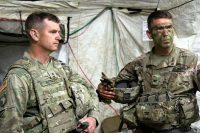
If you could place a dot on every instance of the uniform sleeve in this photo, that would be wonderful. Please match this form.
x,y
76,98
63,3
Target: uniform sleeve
x,y
197,77
85,94
128,73
126,84
13,101
197,73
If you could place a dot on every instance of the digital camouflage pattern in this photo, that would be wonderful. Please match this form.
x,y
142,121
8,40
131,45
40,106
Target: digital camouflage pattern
x,y
167,90
44,98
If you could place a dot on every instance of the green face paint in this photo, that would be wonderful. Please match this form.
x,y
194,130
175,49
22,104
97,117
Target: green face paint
x,y
163,35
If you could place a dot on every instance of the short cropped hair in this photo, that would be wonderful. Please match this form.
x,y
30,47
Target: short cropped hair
x,y
156,15
35,19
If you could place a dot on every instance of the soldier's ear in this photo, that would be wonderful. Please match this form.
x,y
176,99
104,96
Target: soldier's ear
x,y
34,34
149,34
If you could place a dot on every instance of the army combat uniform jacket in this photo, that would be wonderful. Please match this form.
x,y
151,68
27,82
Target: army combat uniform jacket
x,y
46,98
165,87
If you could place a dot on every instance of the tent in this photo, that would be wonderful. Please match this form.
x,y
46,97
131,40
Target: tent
x,y
103,35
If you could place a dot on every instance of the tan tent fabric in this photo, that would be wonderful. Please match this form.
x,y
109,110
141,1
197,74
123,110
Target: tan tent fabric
x,y
104,34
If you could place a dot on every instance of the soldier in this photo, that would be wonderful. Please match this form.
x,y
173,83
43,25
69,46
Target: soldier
x,y
40,94
159,85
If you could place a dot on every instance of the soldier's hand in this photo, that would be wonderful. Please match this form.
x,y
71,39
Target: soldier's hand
x,y
105,92
91,122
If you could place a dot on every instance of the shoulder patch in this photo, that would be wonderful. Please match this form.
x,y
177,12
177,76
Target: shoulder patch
x,y
3,86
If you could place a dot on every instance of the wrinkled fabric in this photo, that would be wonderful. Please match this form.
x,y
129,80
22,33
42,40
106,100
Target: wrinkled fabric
x,y
19,100
161,78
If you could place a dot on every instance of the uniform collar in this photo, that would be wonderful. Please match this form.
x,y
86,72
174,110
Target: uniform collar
x,y
35,61
169,60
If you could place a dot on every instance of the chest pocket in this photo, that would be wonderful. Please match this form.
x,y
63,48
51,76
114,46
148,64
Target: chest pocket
x,y
181,79
155,80
60,117
56,105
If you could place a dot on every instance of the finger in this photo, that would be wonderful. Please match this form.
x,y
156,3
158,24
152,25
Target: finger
x,y
85,131
105,87
108,97
107,93
91,129
108,88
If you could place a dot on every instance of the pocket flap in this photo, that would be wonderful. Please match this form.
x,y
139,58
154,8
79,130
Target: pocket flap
x,y
62,106
55,109
66,104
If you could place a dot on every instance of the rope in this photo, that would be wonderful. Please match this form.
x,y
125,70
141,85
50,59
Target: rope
x,y
80,66
89,21
87,77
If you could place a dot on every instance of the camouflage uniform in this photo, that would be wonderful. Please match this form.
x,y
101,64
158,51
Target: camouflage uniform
x,y
44,98
166,97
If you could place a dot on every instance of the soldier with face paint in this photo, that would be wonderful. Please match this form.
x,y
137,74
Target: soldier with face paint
x,y
159,85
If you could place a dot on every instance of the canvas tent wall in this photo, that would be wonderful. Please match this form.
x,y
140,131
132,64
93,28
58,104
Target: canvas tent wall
x,y
104,34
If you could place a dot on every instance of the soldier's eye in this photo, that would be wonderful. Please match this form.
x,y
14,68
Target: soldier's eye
x,y
169,27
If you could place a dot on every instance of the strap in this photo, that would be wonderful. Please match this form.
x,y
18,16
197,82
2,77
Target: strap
x,y
67,83
121,124
36,94
177,58
33,123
